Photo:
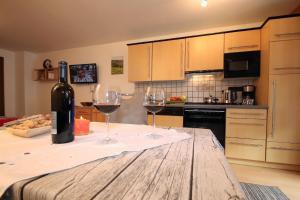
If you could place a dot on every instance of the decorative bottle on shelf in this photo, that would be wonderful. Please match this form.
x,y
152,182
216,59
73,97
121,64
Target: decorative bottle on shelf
x,y
62,107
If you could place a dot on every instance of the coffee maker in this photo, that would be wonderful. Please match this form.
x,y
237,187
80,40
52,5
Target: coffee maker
x,y
248,95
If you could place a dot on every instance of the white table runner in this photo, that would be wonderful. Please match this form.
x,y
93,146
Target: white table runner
x,y
23,158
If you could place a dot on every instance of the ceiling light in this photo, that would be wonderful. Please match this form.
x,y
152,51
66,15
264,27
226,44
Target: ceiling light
x,y
204,3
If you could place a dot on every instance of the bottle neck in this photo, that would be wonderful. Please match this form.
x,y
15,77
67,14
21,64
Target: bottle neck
x,y
63,72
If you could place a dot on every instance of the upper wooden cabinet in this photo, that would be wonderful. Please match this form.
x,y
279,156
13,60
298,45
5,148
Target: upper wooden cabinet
x,y
139,62
285,29
285,57
205,53
242,41
168,60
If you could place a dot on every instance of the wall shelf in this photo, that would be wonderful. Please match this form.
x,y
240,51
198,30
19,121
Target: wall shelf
x,y
45,75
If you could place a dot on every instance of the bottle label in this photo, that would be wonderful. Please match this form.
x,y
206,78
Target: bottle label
x,y
54,122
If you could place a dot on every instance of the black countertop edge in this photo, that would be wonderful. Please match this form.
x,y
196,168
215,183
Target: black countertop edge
x,y
217,106
237,30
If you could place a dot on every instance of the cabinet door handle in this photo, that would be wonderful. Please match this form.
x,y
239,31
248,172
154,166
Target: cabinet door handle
x,y
187,54
284,148
182,59
149,62
273,108
286,68
247,124
287,34
244,46
252,145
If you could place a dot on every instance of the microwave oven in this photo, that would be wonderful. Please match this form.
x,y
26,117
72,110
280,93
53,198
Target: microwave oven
x,y
242,64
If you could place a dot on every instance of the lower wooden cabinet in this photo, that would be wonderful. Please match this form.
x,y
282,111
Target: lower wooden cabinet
x,y
245,149
166,120
89,113
246,128
246,132
238,113
285,153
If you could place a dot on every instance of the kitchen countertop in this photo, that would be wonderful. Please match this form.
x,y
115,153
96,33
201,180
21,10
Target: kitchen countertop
x,y
217,106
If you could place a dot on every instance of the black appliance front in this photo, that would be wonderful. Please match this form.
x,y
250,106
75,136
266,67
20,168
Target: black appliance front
x,y
242,64
213,119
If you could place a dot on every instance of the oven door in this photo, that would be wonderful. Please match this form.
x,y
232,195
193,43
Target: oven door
x,y
242,64
213,119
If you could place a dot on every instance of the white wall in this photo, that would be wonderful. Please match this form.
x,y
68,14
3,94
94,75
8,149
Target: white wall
x,y
37,94
100,54
9,81
19,81
32,91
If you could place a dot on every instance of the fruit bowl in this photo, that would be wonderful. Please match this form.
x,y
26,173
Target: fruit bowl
x,y
176,99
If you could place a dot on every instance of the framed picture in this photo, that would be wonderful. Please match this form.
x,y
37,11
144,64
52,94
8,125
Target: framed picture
x,y
117,65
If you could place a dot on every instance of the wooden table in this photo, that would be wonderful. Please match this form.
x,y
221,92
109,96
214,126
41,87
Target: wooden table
x,y
191,169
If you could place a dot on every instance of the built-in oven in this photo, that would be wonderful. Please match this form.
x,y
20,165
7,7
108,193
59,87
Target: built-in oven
x,y
213,119
242,64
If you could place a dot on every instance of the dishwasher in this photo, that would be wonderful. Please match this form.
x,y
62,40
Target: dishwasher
x,y
213,119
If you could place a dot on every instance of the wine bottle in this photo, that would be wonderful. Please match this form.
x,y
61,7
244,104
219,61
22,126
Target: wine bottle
x,y
62,108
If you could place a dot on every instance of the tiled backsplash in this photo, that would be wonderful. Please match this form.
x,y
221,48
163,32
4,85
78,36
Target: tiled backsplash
x,y
195,86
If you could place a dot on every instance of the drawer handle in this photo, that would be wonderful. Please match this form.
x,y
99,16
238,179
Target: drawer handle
x,y
286,34
286,68
242,47
251,124
252,145
237,113
283,148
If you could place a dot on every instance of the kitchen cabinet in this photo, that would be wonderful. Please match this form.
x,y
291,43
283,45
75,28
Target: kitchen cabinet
x,y
245,149
242,41
246,113
285,153
85,112
246,128
168,60
285,29
89,113
283,138
205,53
262,83
285,57
284,109
166,120
97,116
246,133
139,62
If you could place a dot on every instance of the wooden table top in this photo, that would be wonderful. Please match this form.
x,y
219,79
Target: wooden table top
x,y
190,169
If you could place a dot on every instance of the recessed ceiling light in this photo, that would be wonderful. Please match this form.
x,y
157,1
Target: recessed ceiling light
x,y
204,3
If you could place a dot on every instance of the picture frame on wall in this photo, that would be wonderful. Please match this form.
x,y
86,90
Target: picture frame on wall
x,y
117,65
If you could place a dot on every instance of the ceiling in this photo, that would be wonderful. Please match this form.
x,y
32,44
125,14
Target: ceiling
x,y
36,25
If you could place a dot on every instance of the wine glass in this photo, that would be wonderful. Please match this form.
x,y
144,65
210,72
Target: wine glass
x,y
106,101
154,102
